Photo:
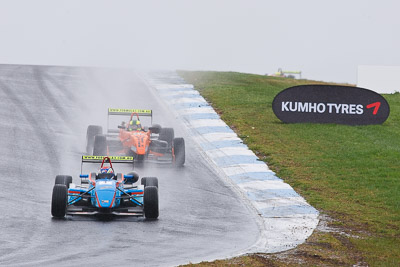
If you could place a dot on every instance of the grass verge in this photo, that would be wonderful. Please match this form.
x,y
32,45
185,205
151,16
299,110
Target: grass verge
x,y
350,173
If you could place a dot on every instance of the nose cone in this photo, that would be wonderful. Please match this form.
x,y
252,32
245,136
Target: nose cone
x,y
105,193
141,143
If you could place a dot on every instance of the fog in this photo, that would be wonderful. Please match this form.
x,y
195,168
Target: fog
x,y
326,40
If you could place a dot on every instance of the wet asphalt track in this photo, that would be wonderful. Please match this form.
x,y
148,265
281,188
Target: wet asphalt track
x,y
44,112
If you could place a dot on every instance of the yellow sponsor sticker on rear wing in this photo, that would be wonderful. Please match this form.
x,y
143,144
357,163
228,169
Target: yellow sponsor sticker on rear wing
x,y
114,159
122,111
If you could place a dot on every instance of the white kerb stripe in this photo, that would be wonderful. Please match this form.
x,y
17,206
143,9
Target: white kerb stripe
x,y
280,202
173,86
184,100
264,185
243,168
180,94
229,151
197,110
213,137
207,122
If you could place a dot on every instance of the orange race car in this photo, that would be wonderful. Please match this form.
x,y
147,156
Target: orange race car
x,y
153,143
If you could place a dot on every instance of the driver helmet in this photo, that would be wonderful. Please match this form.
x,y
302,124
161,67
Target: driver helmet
x,y
106,170
135,125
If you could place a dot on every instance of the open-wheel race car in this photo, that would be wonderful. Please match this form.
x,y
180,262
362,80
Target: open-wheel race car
x,y
154,143
105,192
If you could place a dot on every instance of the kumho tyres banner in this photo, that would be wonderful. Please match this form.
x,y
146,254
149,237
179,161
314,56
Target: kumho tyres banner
x,y
330,104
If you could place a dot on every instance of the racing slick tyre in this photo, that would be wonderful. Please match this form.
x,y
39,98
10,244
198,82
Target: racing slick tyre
x,y
59,201
140,159
100,145
135,178
91,132
155,128
179,151
150,201
63,179
149,181
167,134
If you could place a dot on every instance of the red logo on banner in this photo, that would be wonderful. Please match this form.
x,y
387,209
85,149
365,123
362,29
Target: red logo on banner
x,y
376,106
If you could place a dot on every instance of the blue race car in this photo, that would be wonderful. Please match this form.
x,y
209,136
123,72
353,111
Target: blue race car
x,y
106,192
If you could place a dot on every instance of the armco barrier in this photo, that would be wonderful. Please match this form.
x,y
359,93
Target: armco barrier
x,y
287,219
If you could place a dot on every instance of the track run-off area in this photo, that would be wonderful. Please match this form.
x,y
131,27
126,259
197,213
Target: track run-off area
x,y
204,214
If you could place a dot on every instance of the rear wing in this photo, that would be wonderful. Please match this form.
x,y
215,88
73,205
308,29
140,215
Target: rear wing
x,y
121,111
99,159
127,112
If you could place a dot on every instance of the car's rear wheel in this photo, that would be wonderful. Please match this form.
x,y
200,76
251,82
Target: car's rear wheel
x,y
59,200
179,151
167,134
63,179
133,180
91,132
140,158
151,202
100,145
149,181
155,128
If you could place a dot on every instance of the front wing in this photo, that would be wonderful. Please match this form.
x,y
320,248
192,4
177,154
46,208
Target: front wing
x,y
125,211
79,203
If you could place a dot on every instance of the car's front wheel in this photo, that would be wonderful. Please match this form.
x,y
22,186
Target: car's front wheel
x,y
149,181
100,145
63,179
91,132
59,201
167,134
179,151
151,202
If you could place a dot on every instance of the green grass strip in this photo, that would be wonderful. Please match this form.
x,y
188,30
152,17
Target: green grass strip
x,y
350,172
